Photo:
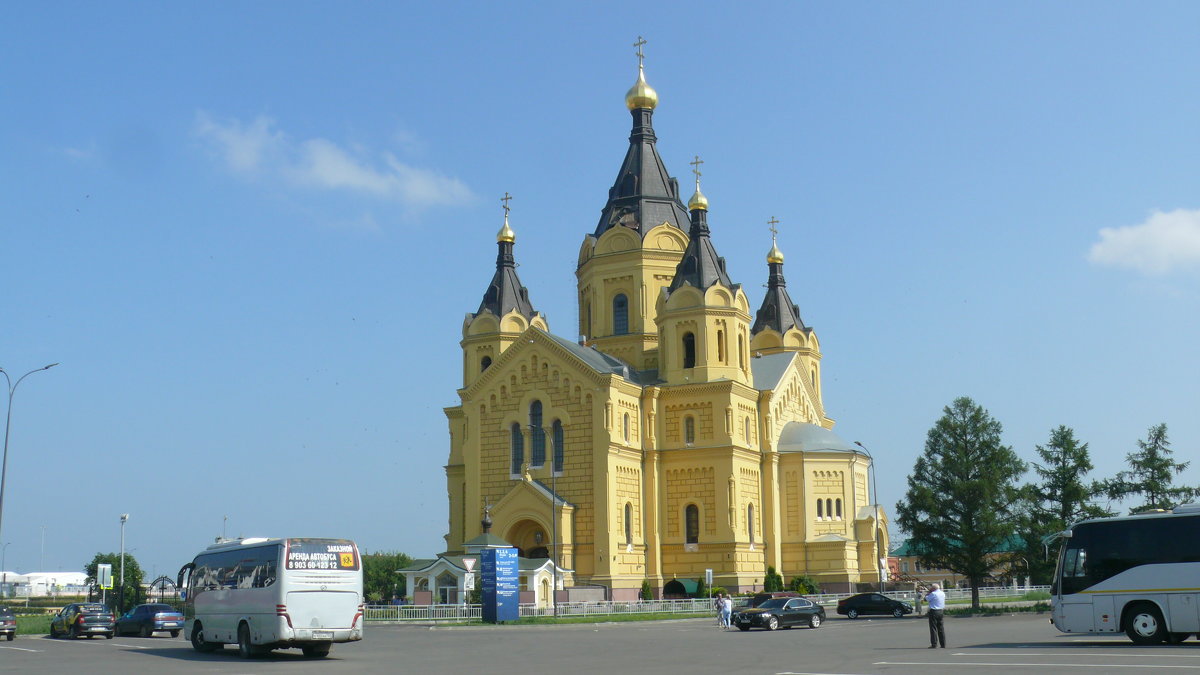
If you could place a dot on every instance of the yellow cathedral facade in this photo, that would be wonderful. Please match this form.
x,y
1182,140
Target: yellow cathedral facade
x,y
681,431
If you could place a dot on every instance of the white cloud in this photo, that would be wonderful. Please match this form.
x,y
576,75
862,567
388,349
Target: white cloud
x,y
1165,242
320,163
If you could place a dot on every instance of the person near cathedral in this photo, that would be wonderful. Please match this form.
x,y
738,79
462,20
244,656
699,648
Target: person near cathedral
x,y
726,610
937,609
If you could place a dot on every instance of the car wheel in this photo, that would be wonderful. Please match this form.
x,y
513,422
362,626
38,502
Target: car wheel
x,y
144,631
898,613
174,633
198,641
246,649
108,636
316,651
1144,624
772,623
814,621
852,613
743,627
53,633
74,634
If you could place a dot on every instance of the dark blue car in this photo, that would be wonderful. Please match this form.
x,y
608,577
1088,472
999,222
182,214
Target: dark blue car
x,y
146,620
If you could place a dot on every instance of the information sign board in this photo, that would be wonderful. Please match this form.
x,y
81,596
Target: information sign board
x,y
500,591
104,578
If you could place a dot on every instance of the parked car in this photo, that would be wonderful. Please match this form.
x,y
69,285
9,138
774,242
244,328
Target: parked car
x,y
872,603
781,612
760,598
146,620
83,619
8,623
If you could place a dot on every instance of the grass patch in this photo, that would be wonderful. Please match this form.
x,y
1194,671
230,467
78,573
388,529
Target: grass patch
x,y
33,624
998,609
602,618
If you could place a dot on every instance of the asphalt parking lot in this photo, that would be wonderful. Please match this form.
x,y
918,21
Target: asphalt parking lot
x,y
1021,643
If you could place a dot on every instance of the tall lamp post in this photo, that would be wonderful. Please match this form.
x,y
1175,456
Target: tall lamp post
x,y
4,569
875,504
121,598
12,389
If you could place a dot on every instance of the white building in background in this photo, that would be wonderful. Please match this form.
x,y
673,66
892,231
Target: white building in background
x,y
41,584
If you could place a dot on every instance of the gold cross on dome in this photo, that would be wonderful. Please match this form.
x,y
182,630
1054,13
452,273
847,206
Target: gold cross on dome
x,y
696,167
641,41
773,222
506,199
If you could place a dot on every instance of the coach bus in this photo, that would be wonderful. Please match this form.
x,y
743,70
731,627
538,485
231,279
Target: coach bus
x,y
264,594
1136,574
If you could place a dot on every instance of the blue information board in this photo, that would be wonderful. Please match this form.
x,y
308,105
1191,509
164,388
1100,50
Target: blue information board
x,y
501,595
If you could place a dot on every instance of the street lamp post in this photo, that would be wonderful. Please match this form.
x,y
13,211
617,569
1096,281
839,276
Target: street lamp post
x,y
881,555
4,569
12,389
121,598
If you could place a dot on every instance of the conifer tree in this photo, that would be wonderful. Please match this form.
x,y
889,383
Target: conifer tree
x,y
1151,474
962,494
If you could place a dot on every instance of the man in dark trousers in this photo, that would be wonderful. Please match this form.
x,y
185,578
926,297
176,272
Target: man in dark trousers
x,y
937,611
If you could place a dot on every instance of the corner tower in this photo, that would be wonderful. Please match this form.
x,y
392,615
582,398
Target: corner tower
x,y
504,313
703,318
632,254
778,326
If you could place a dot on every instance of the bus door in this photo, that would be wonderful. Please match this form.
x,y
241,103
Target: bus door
x,y
1104,618
1073,611
1184,618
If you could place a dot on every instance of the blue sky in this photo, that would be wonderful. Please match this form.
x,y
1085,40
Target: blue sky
x,y
249,233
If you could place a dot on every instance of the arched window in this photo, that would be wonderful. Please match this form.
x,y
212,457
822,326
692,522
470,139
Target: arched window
x,y
820,509
620,314
559,450
721,346
691,517
746,429
750,522
628,524
689,350
689,430
838,503
829,509
518,449
742,351
484,363
625,427
537,435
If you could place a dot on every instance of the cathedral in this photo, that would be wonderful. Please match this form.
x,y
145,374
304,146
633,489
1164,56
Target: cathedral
x,y
680,432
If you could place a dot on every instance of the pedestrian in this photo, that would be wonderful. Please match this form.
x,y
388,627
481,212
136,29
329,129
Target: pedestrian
x,y
726,610
717,608
920,596
937,611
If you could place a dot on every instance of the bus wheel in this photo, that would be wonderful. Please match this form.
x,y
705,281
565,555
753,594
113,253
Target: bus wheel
x,y
1176,638
198,642
1144,624
246,649
316,651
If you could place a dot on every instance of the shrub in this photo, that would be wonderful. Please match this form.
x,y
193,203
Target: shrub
x,y
804,584
647,591
773,581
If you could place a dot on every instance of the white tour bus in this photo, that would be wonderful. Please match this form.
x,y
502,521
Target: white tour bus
x,y
264,594
1138,574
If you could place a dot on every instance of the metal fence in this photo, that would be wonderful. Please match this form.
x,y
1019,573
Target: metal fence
x,y
698,607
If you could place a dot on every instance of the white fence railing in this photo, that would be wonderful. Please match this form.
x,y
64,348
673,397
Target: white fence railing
x,y
699,607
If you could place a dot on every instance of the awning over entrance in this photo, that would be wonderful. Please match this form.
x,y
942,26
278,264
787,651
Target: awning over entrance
x,y
681,587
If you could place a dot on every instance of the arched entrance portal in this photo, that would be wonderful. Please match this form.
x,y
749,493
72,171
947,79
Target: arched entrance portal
x,y
530,537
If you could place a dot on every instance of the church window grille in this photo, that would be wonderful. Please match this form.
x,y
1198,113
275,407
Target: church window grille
x,y
689,350
484,363
628,524
620,314
692,523
559,450
689,430
518,449
537,435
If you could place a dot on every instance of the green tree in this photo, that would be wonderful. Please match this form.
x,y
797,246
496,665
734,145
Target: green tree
x,y
647,590
133,579
380,581
962,494
804,584
1062,495
1151,475
773,581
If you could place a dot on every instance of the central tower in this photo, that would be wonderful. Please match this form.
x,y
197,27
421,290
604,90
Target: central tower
x,y
637,244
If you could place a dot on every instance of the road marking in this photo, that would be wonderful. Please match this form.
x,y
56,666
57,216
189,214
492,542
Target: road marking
x,y
22,649
1086,654
956,664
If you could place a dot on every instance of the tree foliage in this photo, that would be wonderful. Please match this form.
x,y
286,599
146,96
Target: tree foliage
x,y
804,584
773,581
133,579
962,495
1151,475
381,583
647,590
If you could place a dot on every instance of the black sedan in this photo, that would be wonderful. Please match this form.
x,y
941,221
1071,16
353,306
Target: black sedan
x,y
83,619
145,620
872,603
781,612
8,623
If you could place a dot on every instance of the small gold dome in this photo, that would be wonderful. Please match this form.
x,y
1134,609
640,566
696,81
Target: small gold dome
x,y
641,95
698,200
506,233
775,256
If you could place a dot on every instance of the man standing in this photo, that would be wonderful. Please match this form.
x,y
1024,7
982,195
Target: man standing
x,y
937,610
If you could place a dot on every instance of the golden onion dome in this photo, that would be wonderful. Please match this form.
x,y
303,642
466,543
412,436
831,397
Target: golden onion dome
x,y
775,256
698,200
641,95
506,234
